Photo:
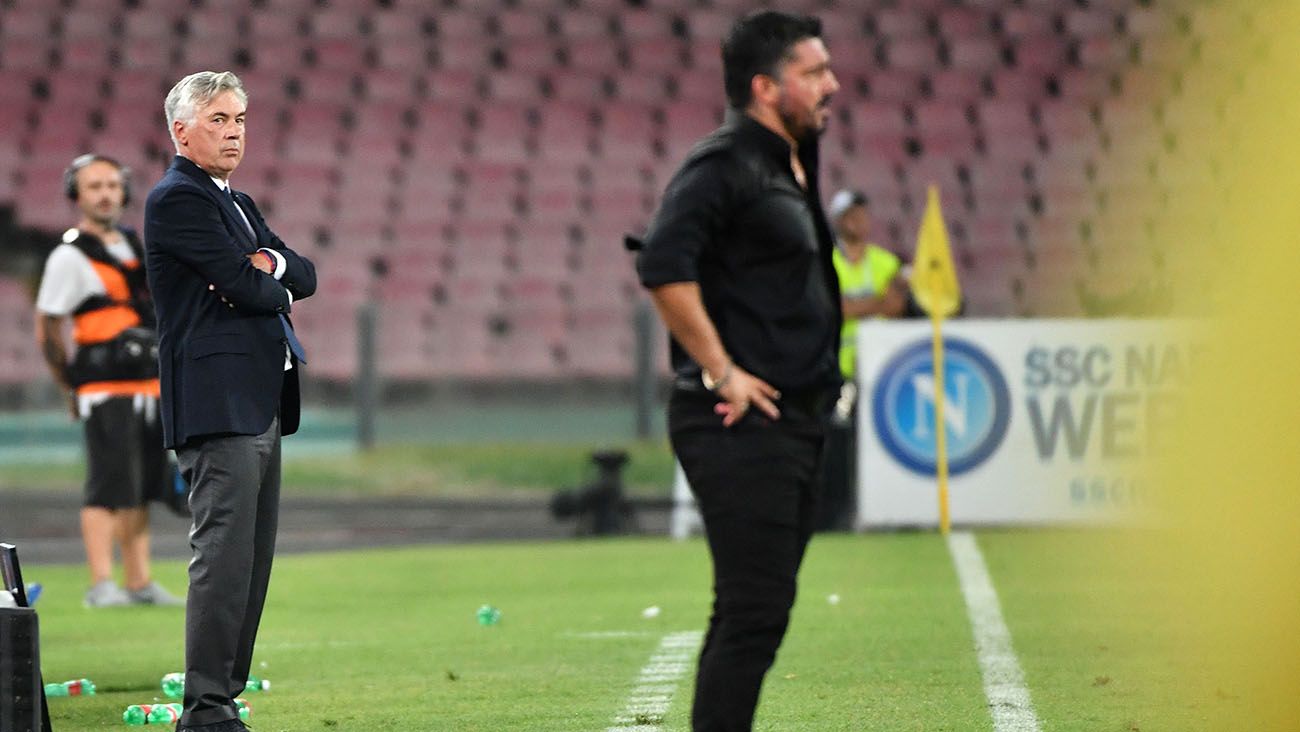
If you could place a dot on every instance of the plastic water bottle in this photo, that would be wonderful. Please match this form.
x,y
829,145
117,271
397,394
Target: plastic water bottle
x,y
245,709
137,714
173,685
165,713
488,615
76,687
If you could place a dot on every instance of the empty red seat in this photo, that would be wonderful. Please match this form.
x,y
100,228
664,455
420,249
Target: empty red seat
x,y
912,54
1043,53
534,55
706,56
975,54
626,132
1011,146
342,54
957,85
1066,120
697,86
662,55
79,24
546,258
200,27
1088,22
334,23
385,86
466,26
579,86
1147,22
408,56
893,85
1019,22
645,88
1083,85
461,53
1017,83
512,87
1005,117
395,26
593,54
27,22
564,132
686,122
637,24
583,25
709,24
963,23
874,117
520,24
275,27
897,23
501,133
842,28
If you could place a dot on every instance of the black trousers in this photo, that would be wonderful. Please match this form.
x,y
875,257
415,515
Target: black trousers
x,y
235,498
839,499
757,485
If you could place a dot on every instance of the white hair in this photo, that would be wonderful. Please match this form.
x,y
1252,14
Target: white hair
x,y
196,90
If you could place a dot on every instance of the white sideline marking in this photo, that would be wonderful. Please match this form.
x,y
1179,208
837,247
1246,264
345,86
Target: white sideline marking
x,y
608,634
646,705
1004,682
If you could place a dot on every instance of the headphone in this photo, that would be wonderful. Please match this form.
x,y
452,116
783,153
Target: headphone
x,y
81,161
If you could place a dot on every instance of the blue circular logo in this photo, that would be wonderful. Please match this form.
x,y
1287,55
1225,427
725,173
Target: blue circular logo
x,y
977,406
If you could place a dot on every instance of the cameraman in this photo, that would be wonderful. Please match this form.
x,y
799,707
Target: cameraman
x,y
96,278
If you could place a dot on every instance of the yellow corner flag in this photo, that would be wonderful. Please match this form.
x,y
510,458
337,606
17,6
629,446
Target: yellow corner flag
x,y
934,280
935,288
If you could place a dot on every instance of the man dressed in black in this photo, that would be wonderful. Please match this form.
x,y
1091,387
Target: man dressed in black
x,y
738,262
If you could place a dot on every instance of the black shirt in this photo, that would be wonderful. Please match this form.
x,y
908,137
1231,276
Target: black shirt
x,y
735,220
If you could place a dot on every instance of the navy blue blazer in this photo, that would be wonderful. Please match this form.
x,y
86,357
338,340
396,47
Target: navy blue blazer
x,y
222,364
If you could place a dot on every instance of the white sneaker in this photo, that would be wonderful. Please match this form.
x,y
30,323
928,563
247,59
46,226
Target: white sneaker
x,y
154,594
106,593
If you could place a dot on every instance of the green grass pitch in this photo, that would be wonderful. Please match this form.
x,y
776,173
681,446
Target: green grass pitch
x,y
388,640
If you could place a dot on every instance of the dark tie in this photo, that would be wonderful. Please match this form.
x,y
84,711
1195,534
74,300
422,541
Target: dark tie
x,y
294,346
248,226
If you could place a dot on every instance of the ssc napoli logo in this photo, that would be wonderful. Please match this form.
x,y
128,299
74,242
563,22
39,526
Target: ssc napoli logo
x,y
977,406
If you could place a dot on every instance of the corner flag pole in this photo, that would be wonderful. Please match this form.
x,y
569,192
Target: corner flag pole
x,y
935,288
940,432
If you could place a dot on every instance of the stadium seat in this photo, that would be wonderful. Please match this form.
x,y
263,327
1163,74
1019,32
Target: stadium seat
x,y
28,22
956,23
1017,22
473,144
593,54
976,54
626,132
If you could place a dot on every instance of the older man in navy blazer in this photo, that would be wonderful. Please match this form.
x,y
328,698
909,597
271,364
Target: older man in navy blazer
x,y
223,285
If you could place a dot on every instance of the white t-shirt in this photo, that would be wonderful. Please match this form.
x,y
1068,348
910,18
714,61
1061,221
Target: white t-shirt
x,y
70,278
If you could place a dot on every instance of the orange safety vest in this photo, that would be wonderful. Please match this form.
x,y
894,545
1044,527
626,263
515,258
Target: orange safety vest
x,y
101,318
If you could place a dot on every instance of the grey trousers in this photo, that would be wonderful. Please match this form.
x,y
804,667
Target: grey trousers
x,y
235,498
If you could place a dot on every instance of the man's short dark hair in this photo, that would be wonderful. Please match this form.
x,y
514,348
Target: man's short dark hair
x,y
758,44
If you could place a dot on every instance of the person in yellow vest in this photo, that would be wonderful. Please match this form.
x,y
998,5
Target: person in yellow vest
x,y
872,281
872,285
96,279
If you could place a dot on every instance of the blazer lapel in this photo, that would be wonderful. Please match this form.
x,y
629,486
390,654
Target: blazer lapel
x,y
242,200
234,222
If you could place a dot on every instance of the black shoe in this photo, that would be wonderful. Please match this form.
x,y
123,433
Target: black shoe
x,y
228,725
